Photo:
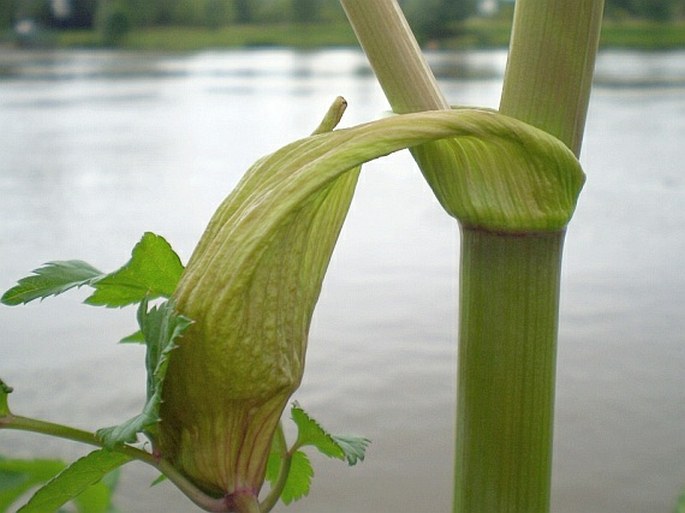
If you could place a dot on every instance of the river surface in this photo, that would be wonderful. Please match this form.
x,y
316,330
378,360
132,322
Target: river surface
x,y
97,148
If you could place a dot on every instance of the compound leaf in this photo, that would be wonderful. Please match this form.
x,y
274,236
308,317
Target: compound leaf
x,y
153,271
342,447
299,478
354,447
309,432
50,280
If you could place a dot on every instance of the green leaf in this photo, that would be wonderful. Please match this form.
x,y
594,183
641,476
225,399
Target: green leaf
x,y
680,507
50,280
354,447
127,431
309,432
5,390
159,479
153,271
160,327
299,478
18,476
74,480
277,452
134,338
342,447
98,498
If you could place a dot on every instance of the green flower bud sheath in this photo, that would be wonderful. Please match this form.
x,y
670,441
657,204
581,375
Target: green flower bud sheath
x,y
251,285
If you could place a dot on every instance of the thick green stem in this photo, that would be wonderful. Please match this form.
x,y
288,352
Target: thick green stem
x,y
509,295
550,66
509,283
509,288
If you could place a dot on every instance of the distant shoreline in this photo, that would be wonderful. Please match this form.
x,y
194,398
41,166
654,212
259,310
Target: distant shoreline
x,y
477,33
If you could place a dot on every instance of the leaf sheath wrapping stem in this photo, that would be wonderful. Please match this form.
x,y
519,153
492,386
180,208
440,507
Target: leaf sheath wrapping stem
x,y
252,283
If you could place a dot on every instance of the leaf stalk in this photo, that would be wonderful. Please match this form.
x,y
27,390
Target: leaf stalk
x,y
271,499
197,496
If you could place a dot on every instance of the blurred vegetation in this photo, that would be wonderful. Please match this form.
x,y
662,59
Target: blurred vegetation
x,y
193,24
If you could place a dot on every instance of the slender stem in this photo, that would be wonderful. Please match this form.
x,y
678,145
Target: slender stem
x,y
197,496
394,55
69,433
509,294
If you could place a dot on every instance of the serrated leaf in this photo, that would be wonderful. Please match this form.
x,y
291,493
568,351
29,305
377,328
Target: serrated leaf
x,y
309,432
74,480
342,447
354,447
299,478
153,271
18,476
5,390
127,432
50,280
160,326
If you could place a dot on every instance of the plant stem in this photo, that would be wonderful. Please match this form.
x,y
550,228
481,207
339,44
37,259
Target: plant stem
x,y
394,55
509,302
509,287
550,66
69,433
509,282
197,496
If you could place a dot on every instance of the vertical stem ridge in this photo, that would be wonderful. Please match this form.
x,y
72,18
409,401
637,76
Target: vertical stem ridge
x,y
551,61
508,323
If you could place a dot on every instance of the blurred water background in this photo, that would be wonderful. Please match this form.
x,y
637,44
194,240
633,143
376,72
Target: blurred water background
x,y
97,147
